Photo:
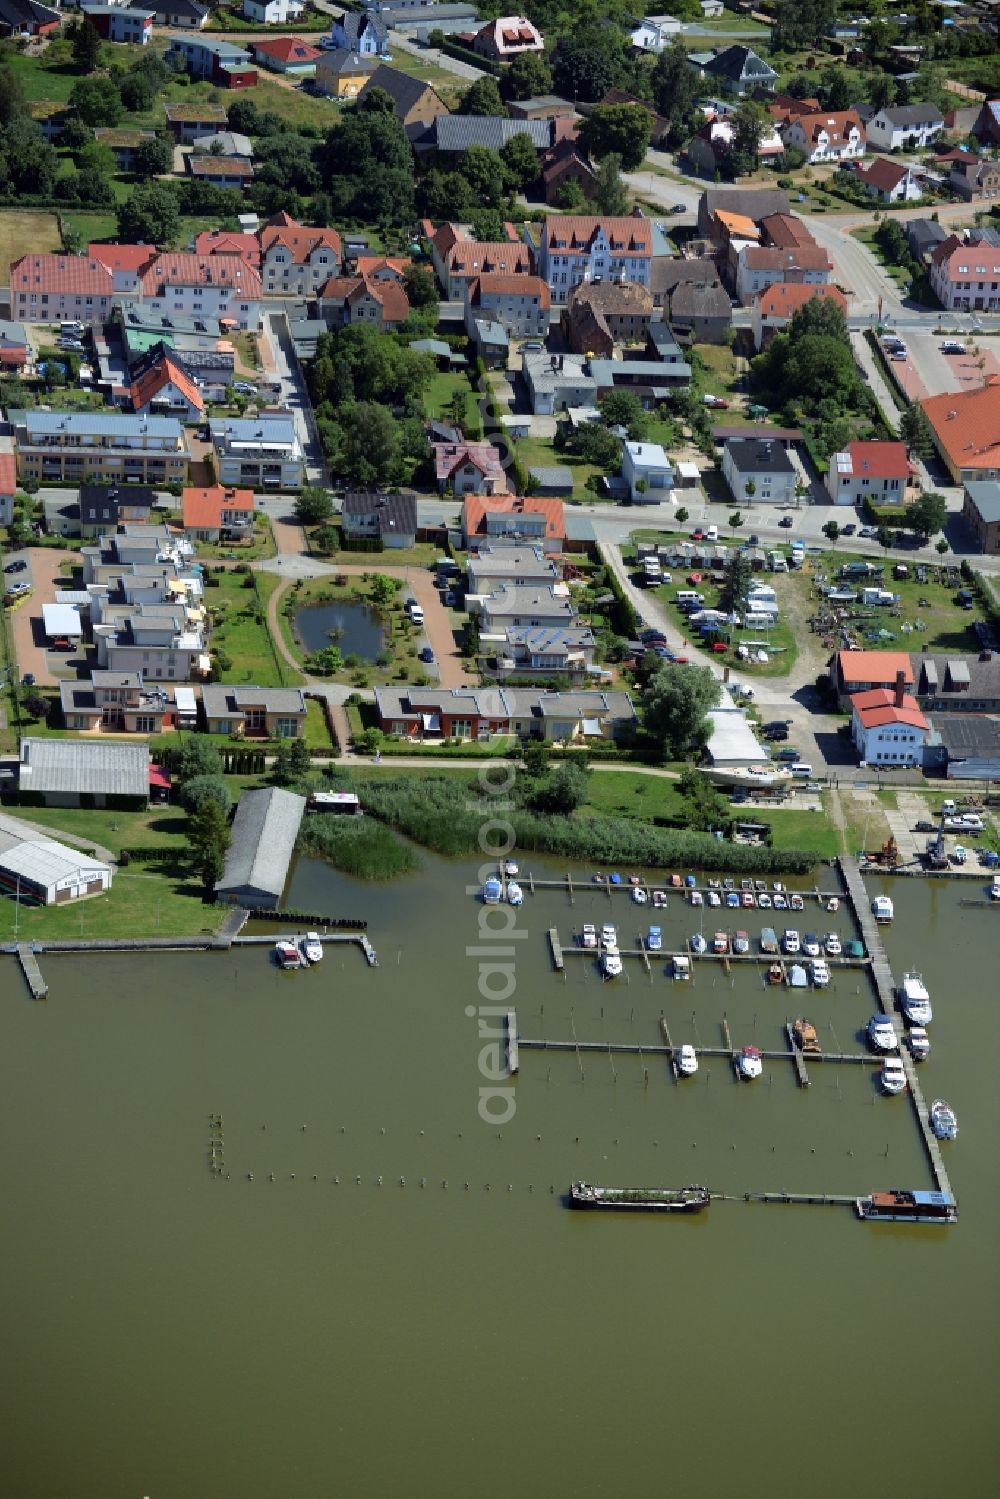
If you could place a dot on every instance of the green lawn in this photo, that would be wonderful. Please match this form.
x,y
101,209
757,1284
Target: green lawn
x,y
948,628
402,638
791,829
780,638
240,630
445,385
157,827
629,793
538,452
145,900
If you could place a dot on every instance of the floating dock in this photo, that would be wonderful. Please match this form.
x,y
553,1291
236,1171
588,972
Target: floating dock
x,y
511,1038
32,973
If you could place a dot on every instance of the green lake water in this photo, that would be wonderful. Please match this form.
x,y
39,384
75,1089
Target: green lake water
x,y
171,1333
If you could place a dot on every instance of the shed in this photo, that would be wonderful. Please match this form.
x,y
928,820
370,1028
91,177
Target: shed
x,y
187,707
79,772
61,622
552,479
264,831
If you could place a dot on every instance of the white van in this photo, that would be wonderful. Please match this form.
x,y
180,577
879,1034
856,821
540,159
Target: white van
x,y
688,598
712,534
801,771
415,611
651,568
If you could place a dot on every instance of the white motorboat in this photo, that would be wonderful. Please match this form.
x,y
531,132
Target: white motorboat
x,y
515,894
611,962
741,942
882,1034
609,937
682,967
790,941
492,892
810,945
687,1061
819,973
511,868
780,902
833,904
882,909
654,939
287,954
944,1121
778,886
919,1043
831,945
696,898
697,943
659,899
797,977
714,898
914,1001
764,901
795,902
748,1063
639,895
312,947
588,937
995,888
893,1076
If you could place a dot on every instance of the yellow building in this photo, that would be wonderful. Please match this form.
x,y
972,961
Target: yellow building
x,y
343,73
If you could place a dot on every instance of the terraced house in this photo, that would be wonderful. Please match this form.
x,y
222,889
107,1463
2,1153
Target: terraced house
x,y
74,447
579,248
480,713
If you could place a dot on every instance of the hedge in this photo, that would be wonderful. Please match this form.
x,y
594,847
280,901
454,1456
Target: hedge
x,y
466,54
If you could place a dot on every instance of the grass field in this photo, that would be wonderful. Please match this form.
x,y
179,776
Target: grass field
x,y
445,385
240,630
790,829
26,231
629,793
538,452
948,627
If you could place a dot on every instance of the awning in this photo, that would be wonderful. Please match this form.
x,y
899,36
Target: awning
x,y
159,778
430,723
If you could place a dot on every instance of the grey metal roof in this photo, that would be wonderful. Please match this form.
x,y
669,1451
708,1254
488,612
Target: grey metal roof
x,y
78,766
459,132
605,370
739,63
985,495
221,699
965,734
44,861
264,831
913,114
756,455
225,143
553,477
49,423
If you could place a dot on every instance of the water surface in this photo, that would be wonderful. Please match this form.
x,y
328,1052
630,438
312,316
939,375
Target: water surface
x,y
356,629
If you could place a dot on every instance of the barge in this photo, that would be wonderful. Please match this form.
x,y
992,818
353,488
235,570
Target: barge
x,y
901,1206
650,1199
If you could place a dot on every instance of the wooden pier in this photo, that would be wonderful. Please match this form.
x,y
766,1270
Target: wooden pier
x,y
557,952
511,1037
797,1057
32,973
668,1049
823,1199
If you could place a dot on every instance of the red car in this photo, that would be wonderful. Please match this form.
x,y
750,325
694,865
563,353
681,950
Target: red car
x,y
719,648
698,534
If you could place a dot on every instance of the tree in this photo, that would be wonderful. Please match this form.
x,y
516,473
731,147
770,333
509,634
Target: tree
x,y
281,765
884,537
527,77
445,195
676,700
581,73
915,431
941,547
594,443
208,839
569,196
750,122
152,158
683,514
801,23
11,92
562,791
299,759
197,757
739,577
521,160
27,161
622,408
97,101
610,194
420,286
201,789
832,530
621,130
313,506
151,216
373,451
736,520
482,98
675,91
835,87
484,171
928,514
85,45
382,590
137,92
750,489
705,805
368,163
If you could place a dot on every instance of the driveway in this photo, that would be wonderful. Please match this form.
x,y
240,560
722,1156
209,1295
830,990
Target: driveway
x,y
26,620
295,397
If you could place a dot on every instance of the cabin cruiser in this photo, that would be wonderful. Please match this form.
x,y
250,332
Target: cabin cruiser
x,y
810,945
728,883
748,1063
768,940
287,954
746,884
995,888
797,977
741,942
833,904
819,973
696,898
515,894
805,1035
831,945
682,966
609,937
659,899
944,1121
790,940
312,947
511,869
882,909
892,1077
714,898
914,1001
775,974
882,1034
919,1043
639,895
715,884
777,885
795,902
687,1061
748,899
764,901
733,900
588,937
654,939
780,902
611,962
492,892
720,942
697,944
759,885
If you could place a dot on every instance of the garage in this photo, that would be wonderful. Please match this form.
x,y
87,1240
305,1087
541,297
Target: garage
x,y
63,629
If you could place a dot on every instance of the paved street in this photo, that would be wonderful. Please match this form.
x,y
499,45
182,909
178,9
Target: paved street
x,y
295,397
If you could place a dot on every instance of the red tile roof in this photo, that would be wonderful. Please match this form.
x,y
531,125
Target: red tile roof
x,y
390,295
879,460
478,506
221,242
471,257
74,275
836,123
874,666
301,241
287,49
122,257
166,371
371,265
967,424
783,299
202,508
575,232
449,456
494,284
879,707
201,270
770,258
883,174
8,473
786,231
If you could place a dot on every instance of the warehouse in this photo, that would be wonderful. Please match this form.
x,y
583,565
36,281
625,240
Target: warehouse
x,y
40,871
264,831
81,773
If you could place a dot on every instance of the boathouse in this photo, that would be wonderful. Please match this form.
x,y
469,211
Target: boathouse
x,y
264,831
37,870
83,773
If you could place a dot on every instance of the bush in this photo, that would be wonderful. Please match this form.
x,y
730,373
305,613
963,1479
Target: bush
x,y
358,846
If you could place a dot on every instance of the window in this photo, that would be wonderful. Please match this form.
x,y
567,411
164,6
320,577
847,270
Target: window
x,y
287,728
145,724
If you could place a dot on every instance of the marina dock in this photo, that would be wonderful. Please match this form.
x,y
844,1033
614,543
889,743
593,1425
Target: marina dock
x,y
32,973
511,1038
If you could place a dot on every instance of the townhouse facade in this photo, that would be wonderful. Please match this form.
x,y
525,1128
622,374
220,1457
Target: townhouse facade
x,y
835,136
965,272
582,248
262,453
480,713
76,447
296,261
519,303
761,266
254,712
50,288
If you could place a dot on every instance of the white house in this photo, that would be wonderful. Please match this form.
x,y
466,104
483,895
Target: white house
x,y
876,471
764,466
582,247
258,453
890,181
888,727
904,126
647,472
654,33
272,12
836,136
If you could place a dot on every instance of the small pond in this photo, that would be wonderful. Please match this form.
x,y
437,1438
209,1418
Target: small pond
x,y
357,629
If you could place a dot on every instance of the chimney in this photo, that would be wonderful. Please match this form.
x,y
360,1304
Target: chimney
x,y
900,692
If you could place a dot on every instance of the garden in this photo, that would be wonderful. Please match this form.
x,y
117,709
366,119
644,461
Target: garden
x,y
352,629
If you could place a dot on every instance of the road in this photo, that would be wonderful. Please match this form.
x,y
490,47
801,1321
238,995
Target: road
x,y
431,55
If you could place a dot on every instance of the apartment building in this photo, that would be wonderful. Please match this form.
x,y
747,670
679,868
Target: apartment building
x,y
259,453
965,272
54,288
583,248
296,261
76,447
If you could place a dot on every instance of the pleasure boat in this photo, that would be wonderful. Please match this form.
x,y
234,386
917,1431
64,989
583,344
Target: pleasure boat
x,y
715,884
659,899
748,899
760,885
697,944
833,904
810,945
741,942
588,937
609,937
748,1063
790,940
892,1077
687,1061
728,883
805,1035
882,909
819,973
944,1121
899,1205
720,942
312,947
919,1043
795,902
611,962
695,898
780,902
515,894
492,892
733,900
764,901
682,966
768,940
882,1034
778,886
746,885
797,977
831,945
511,868
714,898
914,1001
287,954
639,895
775,974
654,939
995,888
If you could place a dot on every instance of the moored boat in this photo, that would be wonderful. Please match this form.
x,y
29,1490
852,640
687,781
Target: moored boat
x,y
893,1076
882,909
714,898
609,937
882,1034
819,973
733,899
795,902
687,1061
748,899
833,904
653,1199
775,974
492,892
312,947
639,895
654,939
611,962
901,1206
831,945
720,942
797,977
790,941
748,1063
682,966
780,902
741,942
914,1001
805,1035
696,898
919,1043
768,940
810,944
659,898
697,943
287,954
511,868
944,1121
588,937
764,901
515,894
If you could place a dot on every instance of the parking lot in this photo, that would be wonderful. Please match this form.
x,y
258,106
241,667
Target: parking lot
x,y
42,571
928,371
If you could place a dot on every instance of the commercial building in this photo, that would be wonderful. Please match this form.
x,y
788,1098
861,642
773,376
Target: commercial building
x,y
40,871
259,453
87,447
968,748
264,831
875,471
72,772
966,429
888,727
981,510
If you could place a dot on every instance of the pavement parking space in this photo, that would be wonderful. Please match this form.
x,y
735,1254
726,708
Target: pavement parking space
x,y
26,619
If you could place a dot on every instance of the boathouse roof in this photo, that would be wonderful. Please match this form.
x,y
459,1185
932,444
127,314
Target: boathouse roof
x,y
264,831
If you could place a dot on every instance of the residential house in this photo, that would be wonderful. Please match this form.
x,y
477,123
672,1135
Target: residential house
x,y
875,471
115,702
785,231
973,177
342,74
380,302
362,32
761,266
837,135
600,315
764,465
558,382
659,125
27,18
72,772
497,565
965,426
67,447
965,271
287,54
105,507
218,286
981,512
262,842
50,115
160,639
468,467
923,237
453,134
220,171
710,148
508,37
513,517
119,23
987,126
653,33
258,453
479,713
957,684
459,259
162,387
414,103
889,181
514,604
738,70
647,472
888,727
519,303
238,147
701,312
543,107
222,63
297,261
666,274
387,518
123,142
861,671
179,15
774,308
254,712
578,248
54,288
189,119
564,163
904,127
273,12
217,514
14,346
753,203
562,651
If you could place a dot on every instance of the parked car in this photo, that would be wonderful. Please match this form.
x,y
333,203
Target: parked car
x,y
28,680
849,529
16,589
753,540
652,636
17,566
952,346
715,403
244,388
923,826
427,655
532,346
786,522
869,532
678,208
62,643
449,599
